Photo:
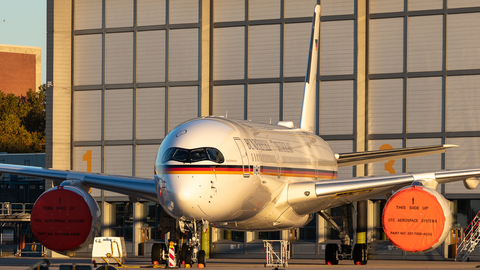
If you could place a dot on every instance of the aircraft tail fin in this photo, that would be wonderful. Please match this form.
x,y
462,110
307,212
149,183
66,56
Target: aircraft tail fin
x,y
307,118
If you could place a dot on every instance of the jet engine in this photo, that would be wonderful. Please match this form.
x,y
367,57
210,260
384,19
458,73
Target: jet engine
x,y
417,219
65,218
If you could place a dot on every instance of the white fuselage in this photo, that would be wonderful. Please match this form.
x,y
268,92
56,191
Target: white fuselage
x,y
247,189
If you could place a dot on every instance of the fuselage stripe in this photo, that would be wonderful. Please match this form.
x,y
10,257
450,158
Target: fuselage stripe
x,y
238,169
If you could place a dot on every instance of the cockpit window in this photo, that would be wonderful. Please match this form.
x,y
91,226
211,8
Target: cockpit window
x,y
180,154
198,155
193,155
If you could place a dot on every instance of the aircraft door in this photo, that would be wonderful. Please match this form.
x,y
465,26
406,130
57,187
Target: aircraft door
x,y
244,155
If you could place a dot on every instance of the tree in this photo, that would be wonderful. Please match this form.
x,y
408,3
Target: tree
x,y
22,122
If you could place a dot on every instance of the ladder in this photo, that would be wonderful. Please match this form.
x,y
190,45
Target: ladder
x,y
469,240
276,257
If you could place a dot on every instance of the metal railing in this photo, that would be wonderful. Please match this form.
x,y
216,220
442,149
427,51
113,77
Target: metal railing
x,y
8,208
469,239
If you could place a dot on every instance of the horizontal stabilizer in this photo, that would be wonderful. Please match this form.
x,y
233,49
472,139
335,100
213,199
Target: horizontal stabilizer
x,y
356,158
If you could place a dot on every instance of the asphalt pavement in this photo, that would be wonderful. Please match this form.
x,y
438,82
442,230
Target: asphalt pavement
x,y
221,264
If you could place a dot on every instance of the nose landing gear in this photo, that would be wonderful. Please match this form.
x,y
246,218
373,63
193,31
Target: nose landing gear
x,y
189,252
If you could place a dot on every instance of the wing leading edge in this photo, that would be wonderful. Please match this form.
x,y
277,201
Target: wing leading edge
x,y
142,188
332,193
356,158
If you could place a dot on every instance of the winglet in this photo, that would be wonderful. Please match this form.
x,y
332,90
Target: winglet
x,y
307,117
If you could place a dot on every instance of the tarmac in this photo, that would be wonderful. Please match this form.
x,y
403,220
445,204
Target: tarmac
x,y
237,264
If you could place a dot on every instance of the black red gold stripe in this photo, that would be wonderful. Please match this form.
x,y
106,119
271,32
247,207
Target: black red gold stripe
x,y
238,169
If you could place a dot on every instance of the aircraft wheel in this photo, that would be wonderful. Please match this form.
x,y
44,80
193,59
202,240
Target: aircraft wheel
x,y
360,254
156,252
331,254
188,257
183,253
202,257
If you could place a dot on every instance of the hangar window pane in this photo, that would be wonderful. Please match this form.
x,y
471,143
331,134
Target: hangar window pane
x,y
229,101
183,55
150,114
88,14
261,109
151,56
267,235
292,102
228,235
183,11
462,103
145,160
385,167
229,53
183,105
123,219
336,107
119,13
465,156
425,4
336,7
263,9
228,11
119,114
87,115
385,106
88,52
425,46
119,60
424,105
264,51
151,12
382,6
296,8
297,40
118,160
386,45
463,41
424,163
463,3
87,157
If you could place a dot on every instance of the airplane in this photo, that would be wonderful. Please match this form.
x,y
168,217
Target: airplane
x,y
246,176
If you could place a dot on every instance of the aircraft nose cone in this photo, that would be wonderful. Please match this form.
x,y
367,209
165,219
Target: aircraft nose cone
x,y
185,196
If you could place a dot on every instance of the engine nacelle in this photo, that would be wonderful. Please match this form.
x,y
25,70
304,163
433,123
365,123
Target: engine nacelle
x,y
65,218
417,219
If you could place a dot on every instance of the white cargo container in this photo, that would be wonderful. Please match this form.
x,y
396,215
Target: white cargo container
x,y
108,249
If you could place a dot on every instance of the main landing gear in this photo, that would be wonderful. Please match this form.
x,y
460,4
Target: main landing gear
x,y
332,253
178,249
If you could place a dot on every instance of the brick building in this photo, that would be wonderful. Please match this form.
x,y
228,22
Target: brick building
x,y
20,69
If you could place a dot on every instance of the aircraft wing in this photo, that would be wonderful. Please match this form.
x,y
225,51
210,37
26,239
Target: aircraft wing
x,y
332,193
142,188
356,158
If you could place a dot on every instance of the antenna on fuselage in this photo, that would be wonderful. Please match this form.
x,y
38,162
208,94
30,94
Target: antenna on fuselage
x,y
307,117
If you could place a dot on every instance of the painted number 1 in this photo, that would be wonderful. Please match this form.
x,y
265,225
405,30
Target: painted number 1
x,y
88,158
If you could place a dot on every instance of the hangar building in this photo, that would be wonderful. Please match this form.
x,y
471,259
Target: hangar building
x,y
393,73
